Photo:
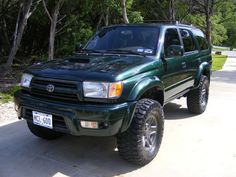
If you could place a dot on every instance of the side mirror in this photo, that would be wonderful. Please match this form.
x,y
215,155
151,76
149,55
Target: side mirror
x,y
78,47
174,51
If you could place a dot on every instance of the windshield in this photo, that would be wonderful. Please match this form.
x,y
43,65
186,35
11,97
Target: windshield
x,y
141,40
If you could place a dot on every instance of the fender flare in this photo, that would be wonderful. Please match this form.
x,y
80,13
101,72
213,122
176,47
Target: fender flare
x,y
143,85
205,66
138,90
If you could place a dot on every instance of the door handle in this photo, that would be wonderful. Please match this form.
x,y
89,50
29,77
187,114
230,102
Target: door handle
x,y
184,65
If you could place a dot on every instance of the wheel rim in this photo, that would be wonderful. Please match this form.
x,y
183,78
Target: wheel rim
x,y
203,97
149,137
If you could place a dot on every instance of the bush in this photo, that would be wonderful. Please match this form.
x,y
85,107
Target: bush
x,y
7,95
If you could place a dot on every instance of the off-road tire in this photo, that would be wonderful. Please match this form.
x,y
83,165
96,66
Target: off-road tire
x,y
197,99
131,142
43,133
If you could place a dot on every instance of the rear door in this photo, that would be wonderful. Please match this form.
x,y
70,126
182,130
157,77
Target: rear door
x,y
204,51
190,57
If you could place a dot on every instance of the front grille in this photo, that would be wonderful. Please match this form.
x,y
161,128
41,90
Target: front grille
x,y
61,84
58,121
65,91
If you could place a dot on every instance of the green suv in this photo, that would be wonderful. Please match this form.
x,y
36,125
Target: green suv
x,y
117,85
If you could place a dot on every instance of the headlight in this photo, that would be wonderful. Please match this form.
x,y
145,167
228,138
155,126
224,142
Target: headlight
x,y
102,89
26,79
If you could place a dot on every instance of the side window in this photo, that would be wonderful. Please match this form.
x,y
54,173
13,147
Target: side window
x,y
187,38
202,42
171,39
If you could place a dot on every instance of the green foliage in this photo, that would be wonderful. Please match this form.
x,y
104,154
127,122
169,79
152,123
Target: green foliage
x,y
82,18
228,15
5,98
218,31
78,32
13,89
135,17
231,32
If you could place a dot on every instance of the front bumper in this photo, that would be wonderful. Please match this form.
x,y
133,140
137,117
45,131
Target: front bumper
x,y
112,118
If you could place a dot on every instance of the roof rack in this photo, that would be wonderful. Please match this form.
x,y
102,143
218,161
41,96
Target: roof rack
x,y
166,21
160,21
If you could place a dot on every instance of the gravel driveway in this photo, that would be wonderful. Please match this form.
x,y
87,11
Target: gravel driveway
x,y
7,113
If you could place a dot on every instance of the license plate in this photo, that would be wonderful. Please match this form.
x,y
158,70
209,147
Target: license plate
x,y
42,119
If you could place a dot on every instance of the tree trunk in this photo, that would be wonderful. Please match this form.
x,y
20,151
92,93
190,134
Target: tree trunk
x,y
124,12
107,17
23,15
99,21
7,47
208,22
171,10
52,41
53,27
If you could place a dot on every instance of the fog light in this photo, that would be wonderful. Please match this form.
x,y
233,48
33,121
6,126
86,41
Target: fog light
x,y
89,124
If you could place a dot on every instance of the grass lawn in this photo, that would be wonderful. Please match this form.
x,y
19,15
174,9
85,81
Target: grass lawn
x,y
218,62
5,97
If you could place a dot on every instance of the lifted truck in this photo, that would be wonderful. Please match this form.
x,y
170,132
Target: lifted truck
x,y
117,85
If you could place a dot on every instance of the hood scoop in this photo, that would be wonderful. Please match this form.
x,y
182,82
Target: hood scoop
x,y
78,60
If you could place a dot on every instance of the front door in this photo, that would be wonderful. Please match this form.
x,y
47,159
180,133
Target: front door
x,y
173,63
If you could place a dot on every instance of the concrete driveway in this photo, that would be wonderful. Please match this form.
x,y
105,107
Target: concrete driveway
x,y
193,146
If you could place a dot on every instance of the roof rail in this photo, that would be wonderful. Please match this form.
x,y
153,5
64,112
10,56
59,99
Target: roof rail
x,y
166,21
160,21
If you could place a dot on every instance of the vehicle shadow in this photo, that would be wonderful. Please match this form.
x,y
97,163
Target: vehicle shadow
x,y
23,154
175,111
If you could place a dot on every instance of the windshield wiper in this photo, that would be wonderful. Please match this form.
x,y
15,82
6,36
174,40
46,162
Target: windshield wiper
x,y
125,52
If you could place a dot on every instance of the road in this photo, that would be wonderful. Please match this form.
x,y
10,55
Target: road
x,y
193,146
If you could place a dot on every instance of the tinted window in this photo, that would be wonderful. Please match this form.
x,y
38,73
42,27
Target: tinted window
x,y
171,38
187,38
202,43
138,39
201,39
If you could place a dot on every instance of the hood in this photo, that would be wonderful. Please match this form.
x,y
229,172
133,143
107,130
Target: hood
x,y
91,67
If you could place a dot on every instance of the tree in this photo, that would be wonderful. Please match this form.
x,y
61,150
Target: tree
x,y
206,7
53,17
7,11
26,8
164,10
124,12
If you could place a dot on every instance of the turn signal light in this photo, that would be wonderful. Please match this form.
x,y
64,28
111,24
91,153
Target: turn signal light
x,y
115,89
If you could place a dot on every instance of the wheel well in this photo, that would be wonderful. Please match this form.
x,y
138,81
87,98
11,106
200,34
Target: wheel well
x,y
207,73
154,93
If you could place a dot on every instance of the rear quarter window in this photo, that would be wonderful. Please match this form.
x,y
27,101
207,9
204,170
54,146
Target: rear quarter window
x,y
201,39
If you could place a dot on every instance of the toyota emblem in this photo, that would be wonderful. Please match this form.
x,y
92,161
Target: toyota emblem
x,y
50,88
